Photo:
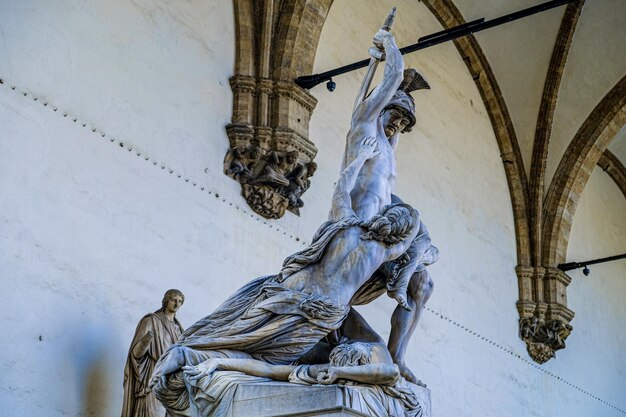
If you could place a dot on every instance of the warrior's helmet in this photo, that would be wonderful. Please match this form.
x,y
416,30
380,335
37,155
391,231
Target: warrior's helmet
x,y
402,100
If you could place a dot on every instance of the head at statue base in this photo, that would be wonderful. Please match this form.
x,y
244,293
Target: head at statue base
x,y
351,354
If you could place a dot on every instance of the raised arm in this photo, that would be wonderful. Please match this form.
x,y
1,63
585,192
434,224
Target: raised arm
x,y
393,74
341,203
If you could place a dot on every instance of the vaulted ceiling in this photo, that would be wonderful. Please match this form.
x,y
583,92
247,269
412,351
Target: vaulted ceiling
x,y
591,63
555,88
552,70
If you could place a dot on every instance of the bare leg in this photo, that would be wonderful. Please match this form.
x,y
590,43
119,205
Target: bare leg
x,y
403,322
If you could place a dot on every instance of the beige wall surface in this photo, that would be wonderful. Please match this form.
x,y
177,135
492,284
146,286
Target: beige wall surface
x,y
92,231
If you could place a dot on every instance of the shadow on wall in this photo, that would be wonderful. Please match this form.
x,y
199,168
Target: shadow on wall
x,y
95,392
88,351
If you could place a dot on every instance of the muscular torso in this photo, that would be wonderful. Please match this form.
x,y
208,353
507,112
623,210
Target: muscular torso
x,y
377,178
347,264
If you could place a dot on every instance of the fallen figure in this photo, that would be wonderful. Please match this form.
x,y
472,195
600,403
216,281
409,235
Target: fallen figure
x,y
370,380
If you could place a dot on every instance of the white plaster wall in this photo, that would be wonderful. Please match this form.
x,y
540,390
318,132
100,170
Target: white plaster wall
x,y
92,234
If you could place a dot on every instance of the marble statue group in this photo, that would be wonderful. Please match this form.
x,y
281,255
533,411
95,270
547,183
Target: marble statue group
x,y
299,325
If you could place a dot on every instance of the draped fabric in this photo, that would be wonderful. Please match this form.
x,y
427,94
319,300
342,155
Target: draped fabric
x,y
213,395
138,401
264,320
209,396
270,322
380,401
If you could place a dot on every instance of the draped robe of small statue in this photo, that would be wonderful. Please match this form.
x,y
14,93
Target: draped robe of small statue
x,y
138,402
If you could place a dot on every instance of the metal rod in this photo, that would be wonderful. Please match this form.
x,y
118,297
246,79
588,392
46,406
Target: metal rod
x,y
377,55
575,265
310,81
455,29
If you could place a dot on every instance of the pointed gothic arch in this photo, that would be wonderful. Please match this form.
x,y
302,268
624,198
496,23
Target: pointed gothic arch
x,y
276,41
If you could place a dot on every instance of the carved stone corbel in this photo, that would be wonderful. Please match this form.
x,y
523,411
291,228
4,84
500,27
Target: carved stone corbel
x,y
543,338
544,316
270,153
272,164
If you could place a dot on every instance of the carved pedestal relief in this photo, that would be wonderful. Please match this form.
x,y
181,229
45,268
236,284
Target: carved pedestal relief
x,y
270,153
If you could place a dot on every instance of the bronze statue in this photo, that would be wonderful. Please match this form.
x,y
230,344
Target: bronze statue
x,y
154,334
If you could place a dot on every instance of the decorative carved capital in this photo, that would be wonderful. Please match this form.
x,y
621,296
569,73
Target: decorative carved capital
x,y
559,312
242,84
543,338
539,352
525,284
544,316
240,134
526,308
297,93
286,137
555,286
270,154
273,178
264,85
264,201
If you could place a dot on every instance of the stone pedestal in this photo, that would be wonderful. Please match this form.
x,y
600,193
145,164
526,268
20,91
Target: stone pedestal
x,y
286,400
